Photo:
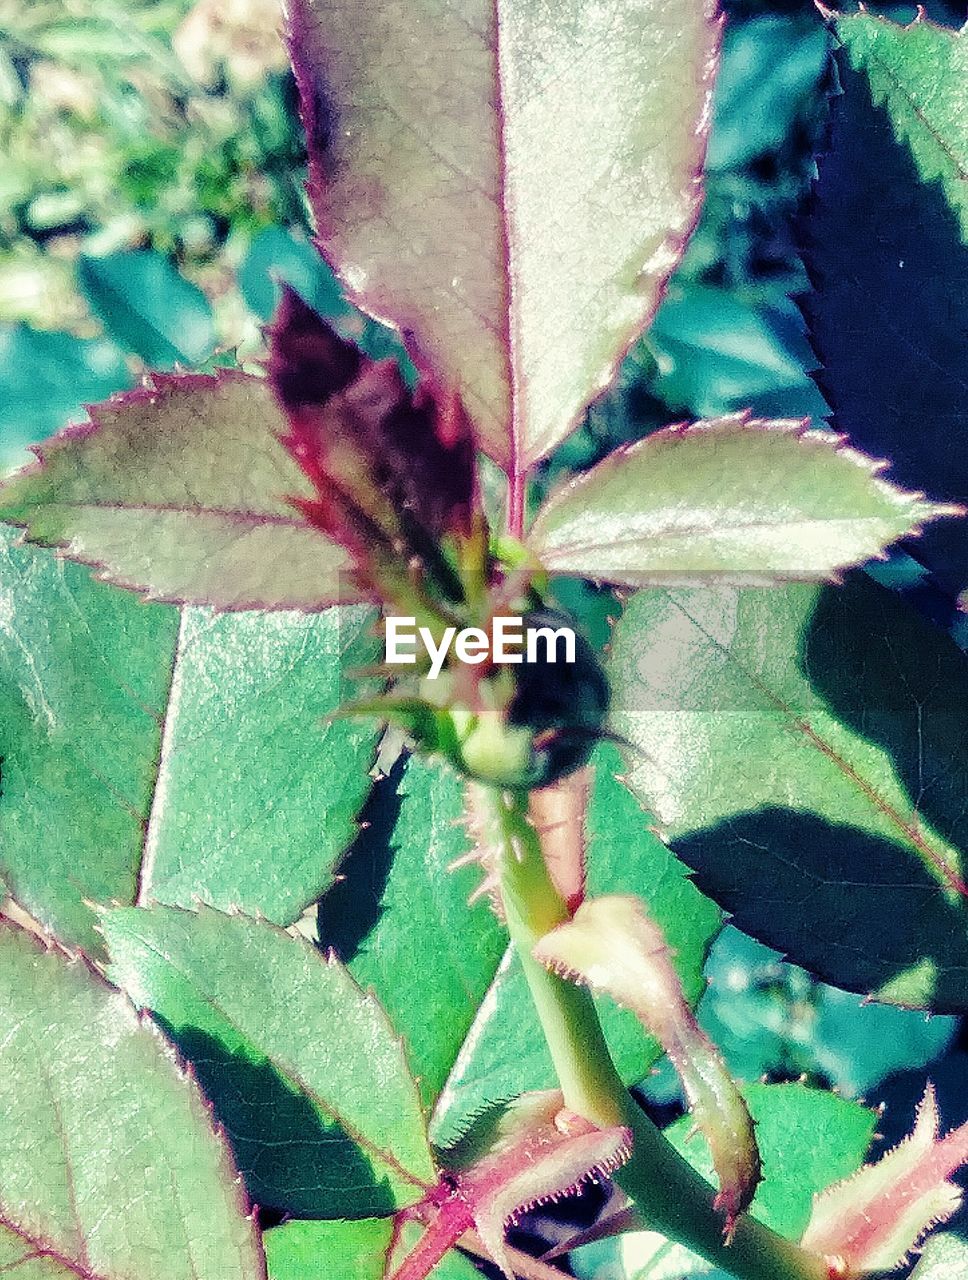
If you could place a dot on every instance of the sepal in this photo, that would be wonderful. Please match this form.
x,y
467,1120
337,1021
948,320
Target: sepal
x,y
517,1156
872,1220
613,946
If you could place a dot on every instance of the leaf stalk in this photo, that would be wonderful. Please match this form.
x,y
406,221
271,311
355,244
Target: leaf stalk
x,y
671,1196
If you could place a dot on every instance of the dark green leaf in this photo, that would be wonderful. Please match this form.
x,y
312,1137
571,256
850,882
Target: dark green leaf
x,y
716,353
304,1070
804,749
773,1019
147,307
404,926
769,67
885,245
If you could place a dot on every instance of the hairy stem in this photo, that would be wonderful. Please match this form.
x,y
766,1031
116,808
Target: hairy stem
x,y
671,1196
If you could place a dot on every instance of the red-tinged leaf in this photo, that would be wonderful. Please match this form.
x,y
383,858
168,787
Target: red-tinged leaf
x,y
731,500
404,460
467,194
180,489
871,1221
534,1151
613,946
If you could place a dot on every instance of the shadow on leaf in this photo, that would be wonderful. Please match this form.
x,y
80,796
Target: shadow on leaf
x,y
888,316
290,1159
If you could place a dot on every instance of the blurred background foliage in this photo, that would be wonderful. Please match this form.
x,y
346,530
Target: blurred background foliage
x,y
150,196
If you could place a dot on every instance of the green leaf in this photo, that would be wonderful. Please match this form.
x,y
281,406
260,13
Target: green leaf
x,y
771,1020
349,1250
173,760
279,255
917,73
803,749
731,500
45,378
884,242
944,1257
304,1070
109,1166
399,909
504,1053
147,307
180,489
470,196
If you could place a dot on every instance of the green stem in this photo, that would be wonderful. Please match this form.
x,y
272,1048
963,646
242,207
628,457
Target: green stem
x,y
671,1196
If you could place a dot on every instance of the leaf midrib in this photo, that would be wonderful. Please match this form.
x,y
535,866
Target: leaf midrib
x,y
156,802
233,514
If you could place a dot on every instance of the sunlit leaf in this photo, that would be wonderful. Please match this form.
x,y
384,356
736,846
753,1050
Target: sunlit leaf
x,y
109,1167
731,500
303,1069
170,759
465,191
181,489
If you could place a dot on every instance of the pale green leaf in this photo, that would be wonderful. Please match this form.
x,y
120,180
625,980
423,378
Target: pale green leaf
x,y
729,500
180,489
109,1167
468,194
804,750
303,1069
143,757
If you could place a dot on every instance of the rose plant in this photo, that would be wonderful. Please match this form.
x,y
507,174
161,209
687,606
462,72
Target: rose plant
x,y
222,987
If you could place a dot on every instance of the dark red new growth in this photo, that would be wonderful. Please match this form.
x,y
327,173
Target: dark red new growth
x,y
404,460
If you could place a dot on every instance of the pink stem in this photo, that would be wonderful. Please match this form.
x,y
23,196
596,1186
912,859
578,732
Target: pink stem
x,y
517,484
